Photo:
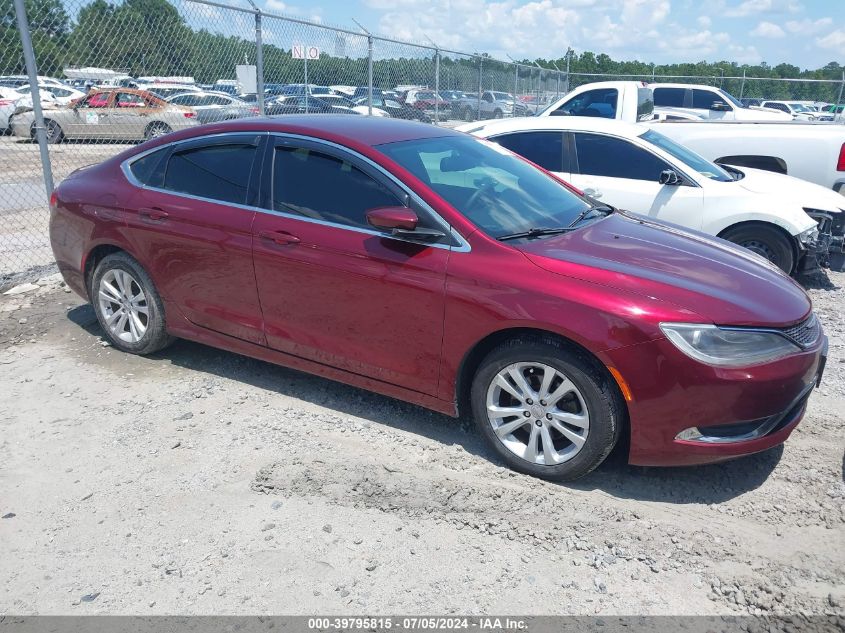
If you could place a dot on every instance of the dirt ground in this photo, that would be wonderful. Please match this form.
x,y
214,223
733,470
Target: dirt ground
x,y
200,482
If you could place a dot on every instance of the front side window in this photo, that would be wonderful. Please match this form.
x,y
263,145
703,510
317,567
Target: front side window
x,y
497,191
543,148
319,186
129,100
600,102
616,158
219,172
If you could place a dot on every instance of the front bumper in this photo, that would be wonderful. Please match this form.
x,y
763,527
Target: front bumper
x,y
672,394
827,250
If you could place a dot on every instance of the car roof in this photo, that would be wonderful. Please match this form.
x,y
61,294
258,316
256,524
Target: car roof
x,y
347,130
577,123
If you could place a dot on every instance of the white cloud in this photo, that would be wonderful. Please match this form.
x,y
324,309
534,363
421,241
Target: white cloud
x,y
755,7
704,21
808,27
768,30
834,41
276,6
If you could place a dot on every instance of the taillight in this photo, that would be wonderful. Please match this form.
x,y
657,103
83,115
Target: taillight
x,y
6,102
53,199
840,164
254,110
189,115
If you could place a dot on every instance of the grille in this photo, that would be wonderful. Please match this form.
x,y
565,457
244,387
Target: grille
x,y
805,333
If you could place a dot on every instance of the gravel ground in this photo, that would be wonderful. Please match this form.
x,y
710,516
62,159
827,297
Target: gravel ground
x,y
200,482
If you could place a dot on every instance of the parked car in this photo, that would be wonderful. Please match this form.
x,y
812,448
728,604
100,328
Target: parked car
x,y
492,105
460,277
8,97
211,108
63,94
795,110
395,109
710,102
750,101
118,114
163,91
359,108
637,168
303,104
676,114
16,81
302,89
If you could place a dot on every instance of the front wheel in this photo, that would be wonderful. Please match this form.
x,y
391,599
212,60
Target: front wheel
x,y
766,241
547,410
52,131
128,306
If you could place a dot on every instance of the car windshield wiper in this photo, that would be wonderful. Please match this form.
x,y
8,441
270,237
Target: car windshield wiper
x,y
534,233
605,209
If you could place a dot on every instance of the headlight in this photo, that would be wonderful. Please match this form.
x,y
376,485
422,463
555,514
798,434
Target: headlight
x,y
809,236
723,347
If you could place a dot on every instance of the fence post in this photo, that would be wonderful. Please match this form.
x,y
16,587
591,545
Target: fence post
x,y
480,78
742,85
436,85
370,75
32,73
839,115
259,62
515,87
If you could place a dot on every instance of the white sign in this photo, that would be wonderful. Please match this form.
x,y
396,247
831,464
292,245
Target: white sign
x,y
247,81
299,51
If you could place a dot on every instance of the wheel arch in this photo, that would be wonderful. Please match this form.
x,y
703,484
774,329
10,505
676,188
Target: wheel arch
x,y
94,256
756,161
793,243
472,360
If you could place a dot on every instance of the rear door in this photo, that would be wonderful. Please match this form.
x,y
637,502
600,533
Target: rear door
x,y
191,221
87,119
616,171
333,289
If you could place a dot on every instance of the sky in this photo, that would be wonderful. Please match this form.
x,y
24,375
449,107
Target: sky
x,y
806,33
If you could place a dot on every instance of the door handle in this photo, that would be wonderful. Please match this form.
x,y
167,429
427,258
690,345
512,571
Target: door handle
x,y
153,214
593,193
282,238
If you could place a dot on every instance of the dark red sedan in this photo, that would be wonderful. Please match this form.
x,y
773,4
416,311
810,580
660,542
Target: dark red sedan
x,y
440,269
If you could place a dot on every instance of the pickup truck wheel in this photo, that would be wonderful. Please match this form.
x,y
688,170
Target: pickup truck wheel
x,y
468,114
546,409
765,241
497,114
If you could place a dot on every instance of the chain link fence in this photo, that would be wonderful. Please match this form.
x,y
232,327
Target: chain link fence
x,y
211,52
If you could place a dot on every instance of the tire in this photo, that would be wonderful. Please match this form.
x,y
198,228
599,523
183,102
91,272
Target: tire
x,y
156,129
117,277
52,130
468,114
592,401
497,114
766,241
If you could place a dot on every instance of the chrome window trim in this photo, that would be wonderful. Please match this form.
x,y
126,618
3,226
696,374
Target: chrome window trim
x,y
463,245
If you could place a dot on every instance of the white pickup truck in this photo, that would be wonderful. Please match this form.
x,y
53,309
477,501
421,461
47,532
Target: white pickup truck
x,y
810,151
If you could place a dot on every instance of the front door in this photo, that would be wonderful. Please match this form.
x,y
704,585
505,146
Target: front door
x,y
333,289
616,171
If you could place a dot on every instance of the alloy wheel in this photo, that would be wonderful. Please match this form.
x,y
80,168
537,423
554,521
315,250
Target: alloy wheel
x,y
537,413
123,305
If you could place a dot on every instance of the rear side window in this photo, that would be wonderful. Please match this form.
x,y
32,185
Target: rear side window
x,y
600,102
669,97
543,148
149,170
322,187
616,158
219,172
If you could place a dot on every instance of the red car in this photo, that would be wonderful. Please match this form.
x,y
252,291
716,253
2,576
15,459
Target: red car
x,y
440,269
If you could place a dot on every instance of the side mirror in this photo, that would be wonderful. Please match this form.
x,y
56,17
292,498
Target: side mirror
x,y
669,177
720,106
390,218
401,222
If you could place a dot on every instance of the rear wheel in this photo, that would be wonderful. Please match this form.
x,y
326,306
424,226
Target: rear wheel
x,y
128,306
547,410
154,130
766,241
468,114
497,114
52,131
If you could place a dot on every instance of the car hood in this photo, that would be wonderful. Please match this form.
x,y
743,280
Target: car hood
x,y
719,281
807,195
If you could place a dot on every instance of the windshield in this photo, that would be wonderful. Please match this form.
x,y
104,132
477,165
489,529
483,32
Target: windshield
x,y
502,96
496,190
686,156
732,99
